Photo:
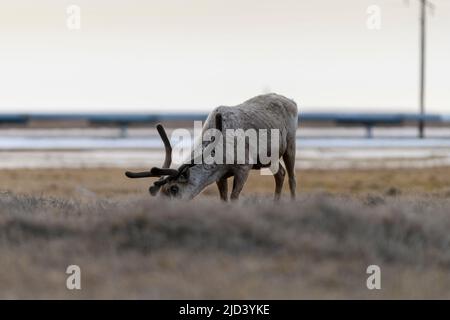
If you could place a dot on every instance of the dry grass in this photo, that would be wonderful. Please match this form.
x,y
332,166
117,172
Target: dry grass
x,y
112,182
129,245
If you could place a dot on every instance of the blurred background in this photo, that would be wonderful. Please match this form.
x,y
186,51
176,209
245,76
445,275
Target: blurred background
x,y
83,84
81,79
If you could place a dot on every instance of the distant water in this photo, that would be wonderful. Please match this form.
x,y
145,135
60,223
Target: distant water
x,y
154,142
307,158
316,148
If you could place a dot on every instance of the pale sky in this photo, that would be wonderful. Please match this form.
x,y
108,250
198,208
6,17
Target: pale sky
x,y
193,55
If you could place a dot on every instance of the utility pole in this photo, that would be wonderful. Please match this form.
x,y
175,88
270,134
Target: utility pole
x,y
423,38
423,15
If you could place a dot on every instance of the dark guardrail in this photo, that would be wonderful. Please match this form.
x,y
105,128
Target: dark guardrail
x,y
368,120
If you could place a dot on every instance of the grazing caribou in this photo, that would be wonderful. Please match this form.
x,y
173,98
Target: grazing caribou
x,y
264,112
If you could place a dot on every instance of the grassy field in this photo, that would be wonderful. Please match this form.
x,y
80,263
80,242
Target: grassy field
x,y
129,245
85,183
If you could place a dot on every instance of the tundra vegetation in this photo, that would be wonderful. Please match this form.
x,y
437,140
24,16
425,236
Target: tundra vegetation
x,y
129,245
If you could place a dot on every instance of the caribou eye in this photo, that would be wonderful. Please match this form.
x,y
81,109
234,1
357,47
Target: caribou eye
x,y
184,175
173,190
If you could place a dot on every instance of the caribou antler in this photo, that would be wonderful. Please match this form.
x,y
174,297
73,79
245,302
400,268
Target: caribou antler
x,y
167,146
165,174
157,172
134,175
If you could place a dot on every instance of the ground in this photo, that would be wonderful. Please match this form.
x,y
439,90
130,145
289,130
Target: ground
x,y
130,245
109,182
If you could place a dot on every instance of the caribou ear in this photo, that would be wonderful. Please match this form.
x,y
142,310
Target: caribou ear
x,y
218,121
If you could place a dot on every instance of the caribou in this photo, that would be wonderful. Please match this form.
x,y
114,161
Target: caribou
x,y
263,112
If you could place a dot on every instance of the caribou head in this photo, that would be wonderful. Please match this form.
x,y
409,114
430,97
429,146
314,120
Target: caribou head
x,y
183,183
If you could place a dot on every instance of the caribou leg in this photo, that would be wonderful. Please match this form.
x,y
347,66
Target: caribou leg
x,y
240,177
279,179
289,161
222,184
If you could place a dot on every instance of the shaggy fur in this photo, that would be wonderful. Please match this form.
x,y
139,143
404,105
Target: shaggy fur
x,y
269,111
